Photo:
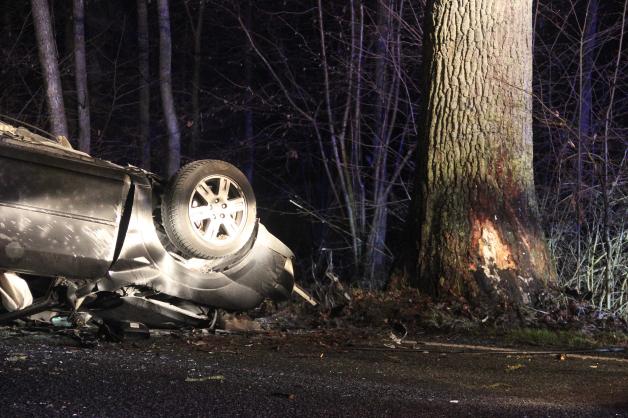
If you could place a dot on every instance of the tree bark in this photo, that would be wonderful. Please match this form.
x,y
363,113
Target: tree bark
x,y
50,67
587,57
196,80
479,234
81,77
143,67
165,82
585,111
376,265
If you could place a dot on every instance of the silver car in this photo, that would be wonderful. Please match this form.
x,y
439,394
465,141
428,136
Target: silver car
x,y
177,248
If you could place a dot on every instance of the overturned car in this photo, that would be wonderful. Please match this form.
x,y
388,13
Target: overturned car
x,y
118,240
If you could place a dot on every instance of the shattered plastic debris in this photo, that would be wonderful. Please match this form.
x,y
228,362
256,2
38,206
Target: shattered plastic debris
x,y
61,322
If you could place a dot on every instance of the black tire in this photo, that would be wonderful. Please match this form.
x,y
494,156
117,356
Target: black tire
x,y
195,192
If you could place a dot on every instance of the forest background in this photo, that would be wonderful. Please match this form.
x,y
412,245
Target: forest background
x,y
305,95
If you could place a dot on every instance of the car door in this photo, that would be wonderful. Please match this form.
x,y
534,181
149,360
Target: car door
x,y
60,210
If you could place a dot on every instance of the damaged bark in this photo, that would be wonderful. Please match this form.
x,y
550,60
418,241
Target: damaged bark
x,y
479,234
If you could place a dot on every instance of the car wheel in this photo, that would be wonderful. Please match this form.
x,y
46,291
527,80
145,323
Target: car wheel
x,y
208,209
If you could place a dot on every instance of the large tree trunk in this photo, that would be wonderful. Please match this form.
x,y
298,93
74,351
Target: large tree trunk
x,y
165,82
144,106
479,234
50,67
81,76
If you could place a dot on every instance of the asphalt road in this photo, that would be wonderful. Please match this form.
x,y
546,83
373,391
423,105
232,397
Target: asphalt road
x,y
298,375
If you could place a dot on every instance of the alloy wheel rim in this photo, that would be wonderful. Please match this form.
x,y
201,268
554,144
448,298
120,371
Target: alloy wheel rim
x,y
218,210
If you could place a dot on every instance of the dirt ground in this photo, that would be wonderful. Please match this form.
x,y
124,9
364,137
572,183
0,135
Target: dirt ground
x,y
337,372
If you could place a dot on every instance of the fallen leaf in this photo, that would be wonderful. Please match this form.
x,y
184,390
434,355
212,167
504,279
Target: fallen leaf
x,y
497,385
240,324
512,367
561,357
290,396
395,339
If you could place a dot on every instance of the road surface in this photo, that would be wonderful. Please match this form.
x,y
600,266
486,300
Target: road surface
x,y
313,374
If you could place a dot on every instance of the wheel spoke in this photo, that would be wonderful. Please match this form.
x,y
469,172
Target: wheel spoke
x,y
199,213
205,192
208,210
216,210
223,188
236,205
230,226
211,232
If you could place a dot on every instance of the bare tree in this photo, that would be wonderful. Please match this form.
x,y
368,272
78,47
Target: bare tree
x,y
81,76
165,82
480,235
248,111
50,67
143,67
376,257
581,142
360,114
197,32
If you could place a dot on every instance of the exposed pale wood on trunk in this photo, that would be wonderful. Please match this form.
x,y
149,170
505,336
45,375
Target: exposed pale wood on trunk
x,y
480,236
50,67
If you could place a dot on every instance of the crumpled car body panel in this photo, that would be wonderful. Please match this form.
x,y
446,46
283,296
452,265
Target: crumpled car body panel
x,y
58,214
241,285
63,213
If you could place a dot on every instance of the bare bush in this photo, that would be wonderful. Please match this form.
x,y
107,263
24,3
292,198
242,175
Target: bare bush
x,y
357,106
580,84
